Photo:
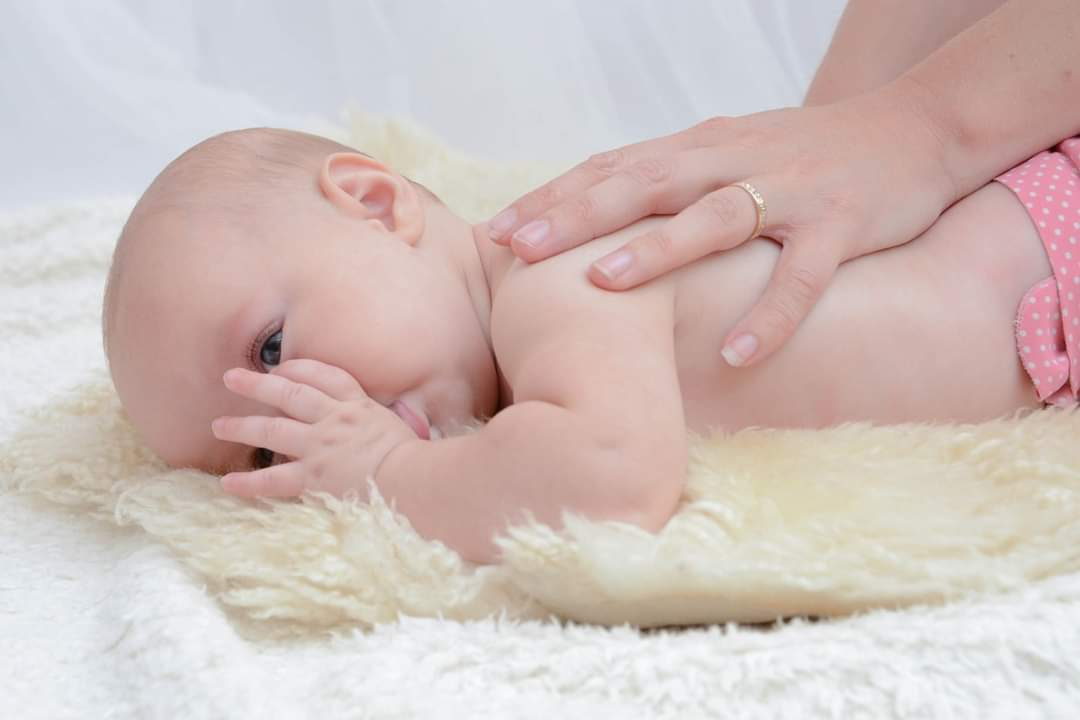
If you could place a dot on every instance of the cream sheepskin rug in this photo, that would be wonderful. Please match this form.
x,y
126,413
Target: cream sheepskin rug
x,y
965,526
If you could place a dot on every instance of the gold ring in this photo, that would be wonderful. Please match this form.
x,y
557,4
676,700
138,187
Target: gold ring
x,y
761,207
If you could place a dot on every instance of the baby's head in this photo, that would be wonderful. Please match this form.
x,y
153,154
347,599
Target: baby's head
x,y
259,246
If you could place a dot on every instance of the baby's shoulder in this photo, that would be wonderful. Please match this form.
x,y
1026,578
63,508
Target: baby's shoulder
x,y
544,301
562,279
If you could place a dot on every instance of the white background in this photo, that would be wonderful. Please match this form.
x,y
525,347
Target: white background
x,y
95,97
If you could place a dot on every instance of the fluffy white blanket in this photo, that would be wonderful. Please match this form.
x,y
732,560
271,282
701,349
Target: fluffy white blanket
x,y
127,590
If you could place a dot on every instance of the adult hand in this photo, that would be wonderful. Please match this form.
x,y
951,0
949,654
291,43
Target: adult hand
x,y
839,181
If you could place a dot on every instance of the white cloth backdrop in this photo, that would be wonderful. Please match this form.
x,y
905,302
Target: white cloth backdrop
x,y
95,97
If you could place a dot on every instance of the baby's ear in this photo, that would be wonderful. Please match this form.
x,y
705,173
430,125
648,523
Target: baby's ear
x,y
365,189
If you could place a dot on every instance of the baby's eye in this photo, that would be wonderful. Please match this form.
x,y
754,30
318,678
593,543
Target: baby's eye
x,y
262,458
270,352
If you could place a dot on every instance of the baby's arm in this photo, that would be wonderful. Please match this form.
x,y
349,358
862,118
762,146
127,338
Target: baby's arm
x,y
596,427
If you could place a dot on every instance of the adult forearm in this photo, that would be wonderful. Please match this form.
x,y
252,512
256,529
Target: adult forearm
x,y
1001,90
877,40
533,457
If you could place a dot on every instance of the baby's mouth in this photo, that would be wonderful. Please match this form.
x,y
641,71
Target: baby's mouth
x,y
416,421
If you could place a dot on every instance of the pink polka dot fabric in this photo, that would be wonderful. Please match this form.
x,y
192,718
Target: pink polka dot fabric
x,y
1048,319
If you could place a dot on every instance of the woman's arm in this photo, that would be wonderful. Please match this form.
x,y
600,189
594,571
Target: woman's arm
x,y
877,40
1003,89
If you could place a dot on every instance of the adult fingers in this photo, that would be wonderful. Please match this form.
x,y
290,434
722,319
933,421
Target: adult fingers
x,y
329,379
277,481
657,185
801,276
582,176
296,399
281,435
720,220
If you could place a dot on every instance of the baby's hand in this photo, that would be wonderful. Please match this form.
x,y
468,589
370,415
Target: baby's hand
x,y
333,434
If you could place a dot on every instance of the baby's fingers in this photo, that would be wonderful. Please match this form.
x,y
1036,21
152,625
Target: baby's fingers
x,y
718,221
330,379
282,435
296,399
571,185
277,481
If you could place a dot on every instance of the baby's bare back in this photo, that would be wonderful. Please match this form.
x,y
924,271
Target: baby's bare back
x,y
920,332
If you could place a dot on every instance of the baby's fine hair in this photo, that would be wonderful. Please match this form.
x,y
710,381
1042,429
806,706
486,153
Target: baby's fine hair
x,y
236,173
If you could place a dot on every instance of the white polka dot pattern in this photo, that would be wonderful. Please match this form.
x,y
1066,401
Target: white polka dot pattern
x,y
1048,319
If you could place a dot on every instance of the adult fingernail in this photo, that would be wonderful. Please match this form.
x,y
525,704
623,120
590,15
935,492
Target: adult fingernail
x,y
501,223
534,233
614,264
739,350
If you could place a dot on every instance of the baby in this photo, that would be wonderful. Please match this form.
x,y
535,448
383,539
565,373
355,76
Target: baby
x,y
293,313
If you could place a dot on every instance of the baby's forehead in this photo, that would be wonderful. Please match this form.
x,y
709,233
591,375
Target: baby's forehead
x,y
190,231
169,258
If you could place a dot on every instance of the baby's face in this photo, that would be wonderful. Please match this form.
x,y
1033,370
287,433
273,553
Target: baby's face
x,y
205,294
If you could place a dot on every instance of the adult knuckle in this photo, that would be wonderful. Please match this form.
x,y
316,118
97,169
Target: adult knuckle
x,y
755,137
709,130
650,171
548,195
804,285
781,316
836,203
606,163
721,206
583,208
803,167
661,242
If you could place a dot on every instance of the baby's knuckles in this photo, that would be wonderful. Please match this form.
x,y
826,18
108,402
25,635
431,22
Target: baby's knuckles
x,y
272,430
290,393
352,442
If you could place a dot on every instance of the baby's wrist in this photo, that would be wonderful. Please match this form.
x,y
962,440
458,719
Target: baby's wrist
x,y
400,462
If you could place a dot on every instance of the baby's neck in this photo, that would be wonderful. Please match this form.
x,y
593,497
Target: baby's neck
x,y
482,265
